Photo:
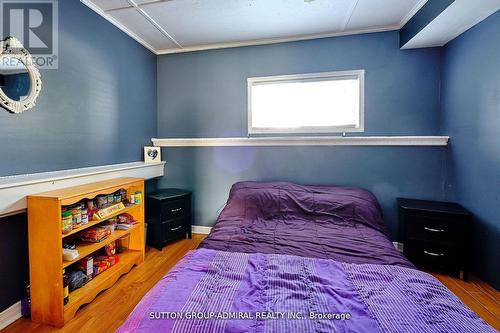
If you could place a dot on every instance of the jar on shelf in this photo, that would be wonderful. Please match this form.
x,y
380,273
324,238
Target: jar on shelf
x,y
102,201
67,221
91,208
123,243
77,216
85,216
138,197
123,194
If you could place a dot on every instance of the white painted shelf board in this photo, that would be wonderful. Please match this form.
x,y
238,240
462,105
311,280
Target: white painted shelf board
x,y
305,141
14,189
33,178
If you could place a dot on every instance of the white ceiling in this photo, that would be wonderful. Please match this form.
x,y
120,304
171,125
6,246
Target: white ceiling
x,y
171,26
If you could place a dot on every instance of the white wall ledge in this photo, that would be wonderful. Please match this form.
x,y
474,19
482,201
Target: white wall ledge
x,y
305,141
14,189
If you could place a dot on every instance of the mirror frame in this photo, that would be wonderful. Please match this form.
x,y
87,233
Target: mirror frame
x,y
12,47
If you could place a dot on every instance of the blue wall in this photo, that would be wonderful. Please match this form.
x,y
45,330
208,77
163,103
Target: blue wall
x,y
98,108
471,116
203,94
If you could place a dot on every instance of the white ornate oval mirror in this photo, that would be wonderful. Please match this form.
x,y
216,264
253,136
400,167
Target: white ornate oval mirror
x,y
20,82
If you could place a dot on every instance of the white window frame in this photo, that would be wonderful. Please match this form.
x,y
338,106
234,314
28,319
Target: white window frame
x,y
357,74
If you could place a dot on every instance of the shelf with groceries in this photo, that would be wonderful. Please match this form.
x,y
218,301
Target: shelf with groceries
x,y
81,240
89,212
80,249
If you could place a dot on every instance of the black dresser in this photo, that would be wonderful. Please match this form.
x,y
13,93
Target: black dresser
x,y
168,215
435,235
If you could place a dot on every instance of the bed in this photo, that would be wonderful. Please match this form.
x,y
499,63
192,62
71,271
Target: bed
x,y
289,258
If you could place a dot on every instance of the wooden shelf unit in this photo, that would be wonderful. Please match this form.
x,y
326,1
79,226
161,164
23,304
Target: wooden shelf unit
x,y
45,249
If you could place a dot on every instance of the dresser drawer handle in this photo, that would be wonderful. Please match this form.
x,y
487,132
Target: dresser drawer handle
x,y
434,230
176,210
174,229
434,254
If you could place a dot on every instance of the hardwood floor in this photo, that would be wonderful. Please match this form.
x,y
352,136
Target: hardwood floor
x,y
107,312
482,298
110,309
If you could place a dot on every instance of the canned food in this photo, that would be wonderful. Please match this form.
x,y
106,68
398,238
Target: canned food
x,y
85,216
102,201
123,194
138,197
77,217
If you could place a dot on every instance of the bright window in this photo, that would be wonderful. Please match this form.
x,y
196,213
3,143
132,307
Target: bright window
x,y
306,103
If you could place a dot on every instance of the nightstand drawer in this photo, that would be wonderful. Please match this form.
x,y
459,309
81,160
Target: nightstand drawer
x,y
173,229
175,208
433,228
432,254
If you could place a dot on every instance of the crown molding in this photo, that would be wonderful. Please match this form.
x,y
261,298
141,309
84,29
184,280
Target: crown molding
x,y
275,40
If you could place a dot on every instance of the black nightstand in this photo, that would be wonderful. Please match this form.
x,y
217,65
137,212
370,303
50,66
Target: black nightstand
x,y
435,235
168,215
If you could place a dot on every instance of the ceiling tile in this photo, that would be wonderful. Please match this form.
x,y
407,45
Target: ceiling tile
x,y
140,26
198,24
195,22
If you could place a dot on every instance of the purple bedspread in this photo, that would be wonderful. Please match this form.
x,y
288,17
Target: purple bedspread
x,y
217,291
328,222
